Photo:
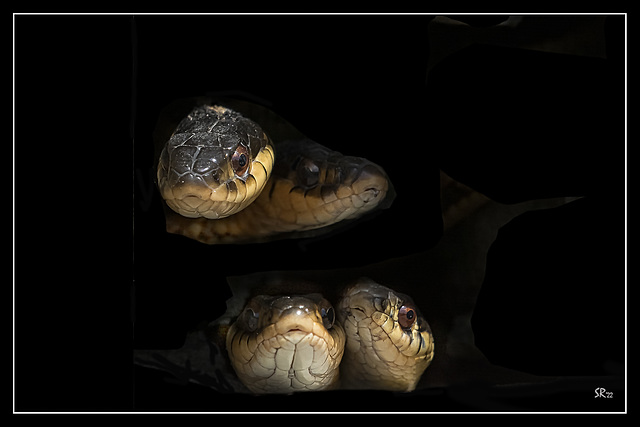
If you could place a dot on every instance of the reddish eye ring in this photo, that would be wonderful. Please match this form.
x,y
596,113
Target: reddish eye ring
x,y
240,160
407,316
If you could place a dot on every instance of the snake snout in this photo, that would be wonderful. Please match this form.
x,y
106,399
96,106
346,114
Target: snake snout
x,y
189,198
191,192
295,320
372,184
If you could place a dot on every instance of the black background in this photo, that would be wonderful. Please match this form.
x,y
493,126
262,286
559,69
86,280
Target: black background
x,y
514,124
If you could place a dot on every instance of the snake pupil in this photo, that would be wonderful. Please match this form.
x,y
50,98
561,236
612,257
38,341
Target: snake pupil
x,y
240,160
406,316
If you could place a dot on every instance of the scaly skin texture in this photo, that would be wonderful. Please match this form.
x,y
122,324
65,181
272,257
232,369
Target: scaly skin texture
x,y
215,164
380,352
311,188
376,339
286,344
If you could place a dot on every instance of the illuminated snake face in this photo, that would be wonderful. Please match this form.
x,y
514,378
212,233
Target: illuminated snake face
x,y
286,344
215,164
376,339
389,344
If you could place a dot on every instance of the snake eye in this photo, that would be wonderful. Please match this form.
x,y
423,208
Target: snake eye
x,y
407,316
308,173
250,318
240,160
328,317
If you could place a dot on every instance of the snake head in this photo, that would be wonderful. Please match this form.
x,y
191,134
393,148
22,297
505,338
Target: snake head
x,y
215,164
324,187
389,342
282,344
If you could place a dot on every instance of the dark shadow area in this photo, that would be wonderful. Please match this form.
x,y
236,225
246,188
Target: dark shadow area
x,y
514,124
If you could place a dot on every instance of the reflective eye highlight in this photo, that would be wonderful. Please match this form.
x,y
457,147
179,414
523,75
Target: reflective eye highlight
x,y
240,160
308,173
407,316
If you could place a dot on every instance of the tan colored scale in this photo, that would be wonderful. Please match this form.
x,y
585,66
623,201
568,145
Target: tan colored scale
x,y
380,353
283,208
284,344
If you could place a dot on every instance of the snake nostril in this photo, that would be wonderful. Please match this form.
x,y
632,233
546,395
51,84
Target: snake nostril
x,y
371,181
369,194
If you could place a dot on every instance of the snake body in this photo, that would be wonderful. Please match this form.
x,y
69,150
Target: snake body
x,y
375,338
226,182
